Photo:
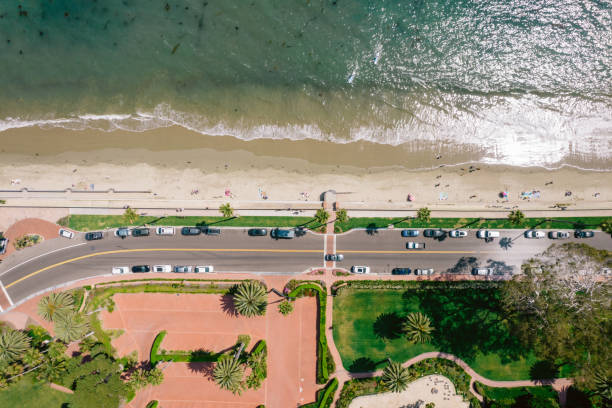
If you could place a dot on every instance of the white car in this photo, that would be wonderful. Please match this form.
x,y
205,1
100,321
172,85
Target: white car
x,y
360,269
487,234
482,271
429,271
164,230
534,234
162,268
120,270
66,234
206,269
415,245
458,234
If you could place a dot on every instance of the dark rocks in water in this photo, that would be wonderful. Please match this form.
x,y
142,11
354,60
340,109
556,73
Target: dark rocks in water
x,y
40,33
66,14
236,28
175,48
167,7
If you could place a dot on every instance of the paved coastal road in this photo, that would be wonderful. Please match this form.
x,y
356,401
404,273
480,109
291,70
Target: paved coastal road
x,y
60,260
386,249
232,251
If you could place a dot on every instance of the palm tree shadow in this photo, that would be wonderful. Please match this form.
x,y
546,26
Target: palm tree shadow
x,y
464,265
543,370
388,326
202,368
372,229
227,304
505,243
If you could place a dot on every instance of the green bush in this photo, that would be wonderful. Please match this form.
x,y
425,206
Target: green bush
x,y
154,358
309,288
324,396
285,307
152,404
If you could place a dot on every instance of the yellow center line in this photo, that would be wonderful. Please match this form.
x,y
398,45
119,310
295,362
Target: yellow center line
x,y
121,251
403,252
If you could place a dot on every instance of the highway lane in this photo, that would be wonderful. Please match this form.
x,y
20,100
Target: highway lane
x,y
232,251
384,250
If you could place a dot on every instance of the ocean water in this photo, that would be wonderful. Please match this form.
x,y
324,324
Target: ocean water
x,y
523,82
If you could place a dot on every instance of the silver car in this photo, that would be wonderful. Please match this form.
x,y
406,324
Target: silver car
x,y
182,269
429,271
458,233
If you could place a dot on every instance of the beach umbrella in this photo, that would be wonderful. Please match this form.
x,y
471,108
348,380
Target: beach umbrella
x,y
410,197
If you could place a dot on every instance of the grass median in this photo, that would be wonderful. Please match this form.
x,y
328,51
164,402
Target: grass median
x,y
471,223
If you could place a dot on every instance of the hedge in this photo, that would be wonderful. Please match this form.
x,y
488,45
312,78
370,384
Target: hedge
x,y
419,285
198,356
325,396
322,348
152,404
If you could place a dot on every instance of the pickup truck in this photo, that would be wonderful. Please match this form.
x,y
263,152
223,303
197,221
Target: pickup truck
x,y
415,245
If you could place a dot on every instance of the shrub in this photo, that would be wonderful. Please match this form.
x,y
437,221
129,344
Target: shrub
x,y
27,241
285,307
152,404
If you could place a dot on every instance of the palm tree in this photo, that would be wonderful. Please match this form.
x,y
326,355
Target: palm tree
x,y
395,377
424,214
603,385
250,299
226,210
321,216
130,215
56,350
32,357
228,374
54,305
155,376
53,370
13,344
516,217
70,327
341,216
417,328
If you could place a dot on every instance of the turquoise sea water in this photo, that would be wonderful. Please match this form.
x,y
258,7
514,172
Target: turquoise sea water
x,y
525,81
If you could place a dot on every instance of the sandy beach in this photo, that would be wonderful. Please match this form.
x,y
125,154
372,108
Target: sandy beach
x,y
175,163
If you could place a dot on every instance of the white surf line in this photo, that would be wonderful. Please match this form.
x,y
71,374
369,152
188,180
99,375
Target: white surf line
x,y
41,255
6,294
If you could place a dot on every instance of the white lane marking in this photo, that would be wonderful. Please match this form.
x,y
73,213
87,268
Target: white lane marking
x,y
324,250
6,294
41,255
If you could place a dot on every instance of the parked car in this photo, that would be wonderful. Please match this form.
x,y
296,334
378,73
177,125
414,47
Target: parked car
x,y
211,231
140,232
482,271
164,231
360,269
92,236
122,232
584,234
66,234
3,245
258,232
205,269
282,233
458,234
487,234
400,271
119,270
141,268
433,233
558,235
426,272
182,269
410,233
162,268
534,234
415,245
334,257
190,231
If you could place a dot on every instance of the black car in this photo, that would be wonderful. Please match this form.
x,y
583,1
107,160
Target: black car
x,y
400,271
141,268
190,231
433,233
258,232
3,245
211,231
140,232
584,234
410,233
92,236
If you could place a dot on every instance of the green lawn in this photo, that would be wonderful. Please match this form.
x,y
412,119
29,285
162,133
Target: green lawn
x,y
27,393
497,394
367,329
475,223
96,222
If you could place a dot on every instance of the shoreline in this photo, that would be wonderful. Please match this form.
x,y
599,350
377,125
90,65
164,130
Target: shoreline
x,y
180,165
